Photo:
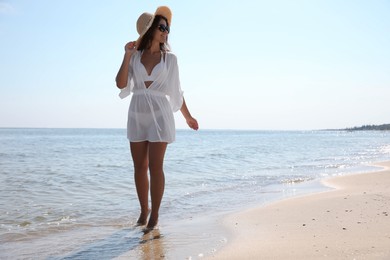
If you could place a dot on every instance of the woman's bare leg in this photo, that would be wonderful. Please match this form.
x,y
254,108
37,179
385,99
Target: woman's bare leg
x,y
139,152
157,179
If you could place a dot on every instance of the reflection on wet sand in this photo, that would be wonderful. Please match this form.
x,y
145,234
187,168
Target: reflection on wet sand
x,y
123,244
152,245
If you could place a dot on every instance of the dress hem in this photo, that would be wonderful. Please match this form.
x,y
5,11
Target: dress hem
x,y
151,141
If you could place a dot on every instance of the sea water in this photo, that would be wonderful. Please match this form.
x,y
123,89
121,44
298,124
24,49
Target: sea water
x,y
69,193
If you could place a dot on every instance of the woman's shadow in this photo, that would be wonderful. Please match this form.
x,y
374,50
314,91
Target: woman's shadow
x,y
148,244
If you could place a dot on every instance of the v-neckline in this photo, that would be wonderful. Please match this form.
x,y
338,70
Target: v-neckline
x,y
151,72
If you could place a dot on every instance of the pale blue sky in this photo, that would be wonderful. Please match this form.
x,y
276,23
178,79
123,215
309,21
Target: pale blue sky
x,y
272,65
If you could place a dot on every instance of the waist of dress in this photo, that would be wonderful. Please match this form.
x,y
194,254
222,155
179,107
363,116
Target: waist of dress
x,y
148,92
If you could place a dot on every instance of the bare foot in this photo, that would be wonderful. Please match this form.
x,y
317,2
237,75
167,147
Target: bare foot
x,y
142,218
153,220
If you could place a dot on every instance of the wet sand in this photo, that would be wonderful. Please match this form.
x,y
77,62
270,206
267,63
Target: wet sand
x,y
350,221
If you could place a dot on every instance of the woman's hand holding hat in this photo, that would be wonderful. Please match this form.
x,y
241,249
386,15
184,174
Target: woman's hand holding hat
x,y
130,48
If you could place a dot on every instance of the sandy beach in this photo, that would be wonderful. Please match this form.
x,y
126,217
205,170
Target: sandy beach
x,y
350,221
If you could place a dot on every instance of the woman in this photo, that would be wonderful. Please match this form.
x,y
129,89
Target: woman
x,y
151,73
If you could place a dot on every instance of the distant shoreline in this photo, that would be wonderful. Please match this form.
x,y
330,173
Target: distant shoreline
x,y
383,127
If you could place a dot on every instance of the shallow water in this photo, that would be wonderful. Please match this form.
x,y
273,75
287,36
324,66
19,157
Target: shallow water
x,y
68,192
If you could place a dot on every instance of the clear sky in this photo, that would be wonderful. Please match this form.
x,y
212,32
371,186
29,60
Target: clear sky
x,y
271,65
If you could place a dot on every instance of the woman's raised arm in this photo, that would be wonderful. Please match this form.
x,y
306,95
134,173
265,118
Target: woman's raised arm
x,y
123,73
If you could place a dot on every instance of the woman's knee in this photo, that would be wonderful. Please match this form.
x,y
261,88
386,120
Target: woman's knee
x,y
156,157
139,152
155,167
140,168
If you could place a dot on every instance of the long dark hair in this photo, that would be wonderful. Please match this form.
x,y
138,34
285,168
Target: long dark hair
x,y
146,40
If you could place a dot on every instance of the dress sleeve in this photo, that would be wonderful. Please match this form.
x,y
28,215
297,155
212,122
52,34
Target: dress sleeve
x,y
125,92
175,94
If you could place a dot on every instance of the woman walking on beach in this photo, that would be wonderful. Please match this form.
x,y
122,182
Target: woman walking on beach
x,y
150,71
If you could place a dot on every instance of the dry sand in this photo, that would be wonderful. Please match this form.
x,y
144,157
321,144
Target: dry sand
x,y
349,222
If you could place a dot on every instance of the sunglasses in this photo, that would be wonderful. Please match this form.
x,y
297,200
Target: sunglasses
x,y
163,28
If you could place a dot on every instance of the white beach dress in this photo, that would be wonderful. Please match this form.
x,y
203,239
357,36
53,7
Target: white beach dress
x,y
151,109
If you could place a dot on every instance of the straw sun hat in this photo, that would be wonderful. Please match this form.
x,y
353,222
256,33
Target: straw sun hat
x,y
146,19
